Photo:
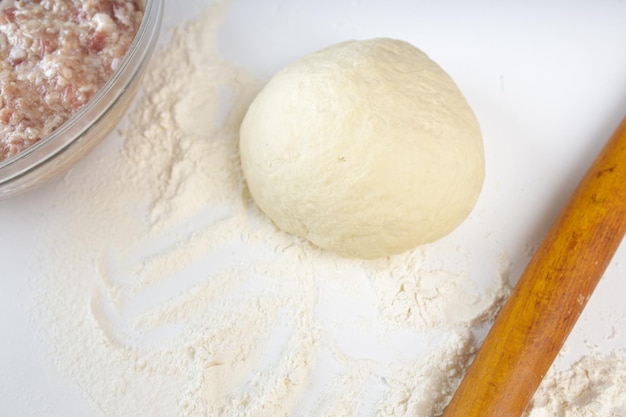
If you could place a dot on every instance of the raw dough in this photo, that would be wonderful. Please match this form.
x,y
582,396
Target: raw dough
x,y
365,148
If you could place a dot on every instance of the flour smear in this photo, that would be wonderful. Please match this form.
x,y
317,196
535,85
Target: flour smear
x,y
161,290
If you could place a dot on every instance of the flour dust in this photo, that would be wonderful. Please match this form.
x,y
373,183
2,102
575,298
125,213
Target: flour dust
x,y
163,291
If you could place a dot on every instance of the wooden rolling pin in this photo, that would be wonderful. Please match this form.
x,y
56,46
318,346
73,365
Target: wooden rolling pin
x,y
551,293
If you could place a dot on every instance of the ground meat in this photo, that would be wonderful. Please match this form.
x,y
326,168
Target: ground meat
x,y
54,56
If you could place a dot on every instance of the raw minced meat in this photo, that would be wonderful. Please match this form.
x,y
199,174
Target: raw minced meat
x,y
54,56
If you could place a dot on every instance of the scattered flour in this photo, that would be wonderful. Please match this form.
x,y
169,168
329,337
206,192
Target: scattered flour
x,y
163,291
594,386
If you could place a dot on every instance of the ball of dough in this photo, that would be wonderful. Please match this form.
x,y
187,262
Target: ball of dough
x,y
365,148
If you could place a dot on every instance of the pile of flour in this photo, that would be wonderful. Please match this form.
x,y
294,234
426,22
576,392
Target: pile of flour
x,y
593,386
163,291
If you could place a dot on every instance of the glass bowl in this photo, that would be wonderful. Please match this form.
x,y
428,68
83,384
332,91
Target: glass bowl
x,y
56,152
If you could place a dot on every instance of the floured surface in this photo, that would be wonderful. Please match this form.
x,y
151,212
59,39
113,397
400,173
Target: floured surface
x,y
190,302
593,386
146,283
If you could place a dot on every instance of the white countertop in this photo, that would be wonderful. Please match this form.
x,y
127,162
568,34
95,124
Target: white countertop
x,y
547,81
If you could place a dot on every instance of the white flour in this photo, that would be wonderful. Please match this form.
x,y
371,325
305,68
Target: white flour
x,y
167,293
594,386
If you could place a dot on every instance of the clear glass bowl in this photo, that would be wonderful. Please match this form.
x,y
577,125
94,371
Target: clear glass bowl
x,y
94,121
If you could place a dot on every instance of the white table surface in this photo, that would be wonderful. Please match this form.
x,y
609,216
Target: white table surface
x,y
547,81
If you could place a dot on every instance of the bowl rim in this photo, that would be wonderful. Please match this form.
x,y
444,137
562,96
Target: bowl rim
x,y
88,116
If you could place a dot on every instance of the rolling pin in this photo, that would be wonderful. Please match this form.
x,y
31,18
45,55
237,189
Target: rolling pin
x,y
551,293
